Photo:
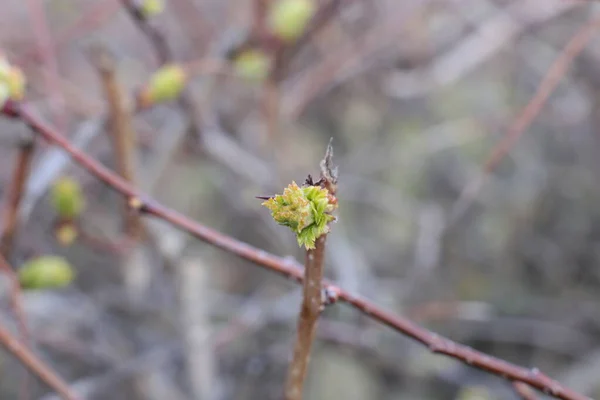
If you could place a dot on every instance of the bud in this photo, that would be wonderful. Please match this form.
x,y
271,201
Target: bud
x,y
46,272
150,8
67,198
166,84
12,82
305,210
66,233
253,65
288,19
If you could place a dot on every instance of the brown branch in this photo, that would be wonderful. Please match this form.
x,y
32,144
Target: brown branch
x,y
35,365
16,300
15,193
122,133
524,391
545,89
307,320
291,269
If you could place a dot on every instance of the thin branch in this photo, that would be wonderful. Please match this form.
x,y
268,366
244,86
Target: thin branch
x,y
307,320
35,365
15,194
290,269
122,133
524,391
545,89
16,300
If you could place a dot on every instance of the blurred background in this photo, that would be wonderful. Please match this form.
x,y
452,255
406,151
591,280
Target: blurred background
x,y
416,95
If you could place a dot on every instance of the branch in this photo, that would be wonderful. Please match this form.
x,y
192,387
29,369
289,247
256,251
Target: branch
x,y
15,194
122,133
16,300
291,270
545,89
35,365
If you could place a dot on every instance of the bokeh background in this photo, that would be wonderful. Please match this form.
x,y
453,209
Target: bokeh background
x,y
416,95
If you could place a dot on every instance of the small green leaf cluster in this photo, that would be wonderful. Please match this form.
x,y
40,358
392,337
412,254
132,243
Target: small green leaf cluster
x,y
305,210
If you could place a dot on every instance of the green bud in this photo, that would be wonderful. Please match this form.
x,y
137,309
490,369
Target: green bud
x,y
253,65
150,8
67,198
165,85
12,82
305,210
288,19
46,272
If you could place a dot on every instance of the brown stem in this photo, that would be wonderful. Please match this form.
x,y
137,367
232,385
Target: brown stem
x,y
291,269
11,209
35,365
122,133
16,297
307,320
524,391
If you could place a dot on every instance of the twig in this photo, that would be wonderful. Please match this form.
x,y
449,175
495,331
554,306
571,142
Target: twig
x,y
122,133
291,269
524,391
307,321
15,194
16,297
35,365
551,80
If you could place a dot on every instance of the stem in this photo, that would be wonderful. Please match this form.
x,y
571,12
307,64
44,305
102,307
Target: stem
x,y
35,365
16,300
290,269
122,134
307,320
15,194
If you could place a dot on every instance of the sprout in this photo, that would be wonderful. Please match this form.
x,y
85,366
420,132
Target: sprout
x,y
305,210
150,8
12,82
252,64
288,19
165,85
67,198
46,272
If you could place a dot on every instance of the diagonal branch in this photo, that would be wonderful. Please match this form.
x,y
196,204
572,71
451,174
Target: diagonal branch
x,y
291,269
35,365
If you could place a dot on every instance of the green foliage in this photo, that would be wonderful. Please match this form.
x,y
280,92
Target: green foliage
x,y
46,272
305,210
67,198
288,19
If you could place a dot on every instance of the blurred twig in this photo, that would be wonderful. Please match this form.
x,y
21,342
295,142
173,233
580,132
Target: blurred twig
x,y
15,194
290,269
550,82
35,365
122,133
16,299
